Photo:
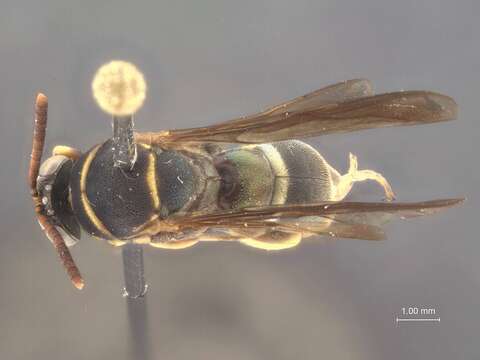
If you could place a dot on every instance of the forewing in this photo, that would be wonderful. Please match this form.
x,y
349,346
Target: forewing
x,y
333,94
356,220
319,113
337,93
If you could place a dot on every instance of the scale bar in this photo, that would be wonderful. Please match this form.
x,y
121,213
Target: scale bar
x,y
417,319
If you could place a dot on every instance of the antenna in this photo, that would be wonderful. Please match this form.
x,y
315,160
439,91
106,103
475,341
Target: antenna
x,y
39,131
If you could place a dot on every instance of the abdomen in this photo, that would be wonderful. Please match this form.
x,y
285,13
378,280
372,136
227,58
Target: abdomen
x,y
286,172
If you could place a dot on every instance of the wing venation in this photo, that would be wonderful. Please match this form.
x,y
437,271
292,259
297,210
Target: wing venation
x,y
357,220
343,107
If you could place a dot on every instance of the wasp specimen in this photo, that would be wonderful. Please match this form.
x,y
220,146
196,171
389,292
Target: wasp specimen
x,y
246,180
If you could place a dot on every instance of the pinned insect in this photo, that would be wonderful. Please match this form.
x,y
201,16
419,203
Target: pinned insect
x,y
245,180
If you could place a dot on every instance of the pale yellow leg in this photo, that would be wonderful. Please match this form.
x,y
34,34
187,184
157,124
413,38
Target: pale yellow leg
x,y
117,242
345,182
67,151
174,245
274,240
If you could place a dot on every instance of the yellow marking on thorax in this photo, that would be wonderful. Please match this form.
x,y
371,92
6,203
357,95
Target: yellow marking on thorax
x,y
67,151
151,177
83,194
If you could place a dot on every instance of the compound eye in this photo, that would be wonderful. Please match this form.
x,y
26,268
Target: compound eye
x,y
51,166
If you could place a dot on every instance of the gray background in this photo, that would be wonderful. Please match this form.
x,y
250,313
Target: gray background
x,y
207,61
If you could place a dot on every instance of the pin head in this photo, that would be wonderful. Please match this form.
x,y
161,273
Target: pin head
x,y
119,88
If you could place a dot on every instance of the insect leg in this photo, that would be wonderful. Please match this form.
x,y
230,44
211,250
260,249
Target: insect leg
x,y
174,245
273,240
345,182
175,241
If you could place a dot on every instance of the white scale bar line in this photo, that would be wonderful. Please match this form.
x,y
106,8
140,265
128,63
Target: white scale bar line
x,y
417,319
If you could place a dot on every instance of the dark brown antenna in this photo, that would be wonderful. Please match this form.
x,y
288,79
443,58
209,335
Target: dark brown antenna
x,y
39,130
